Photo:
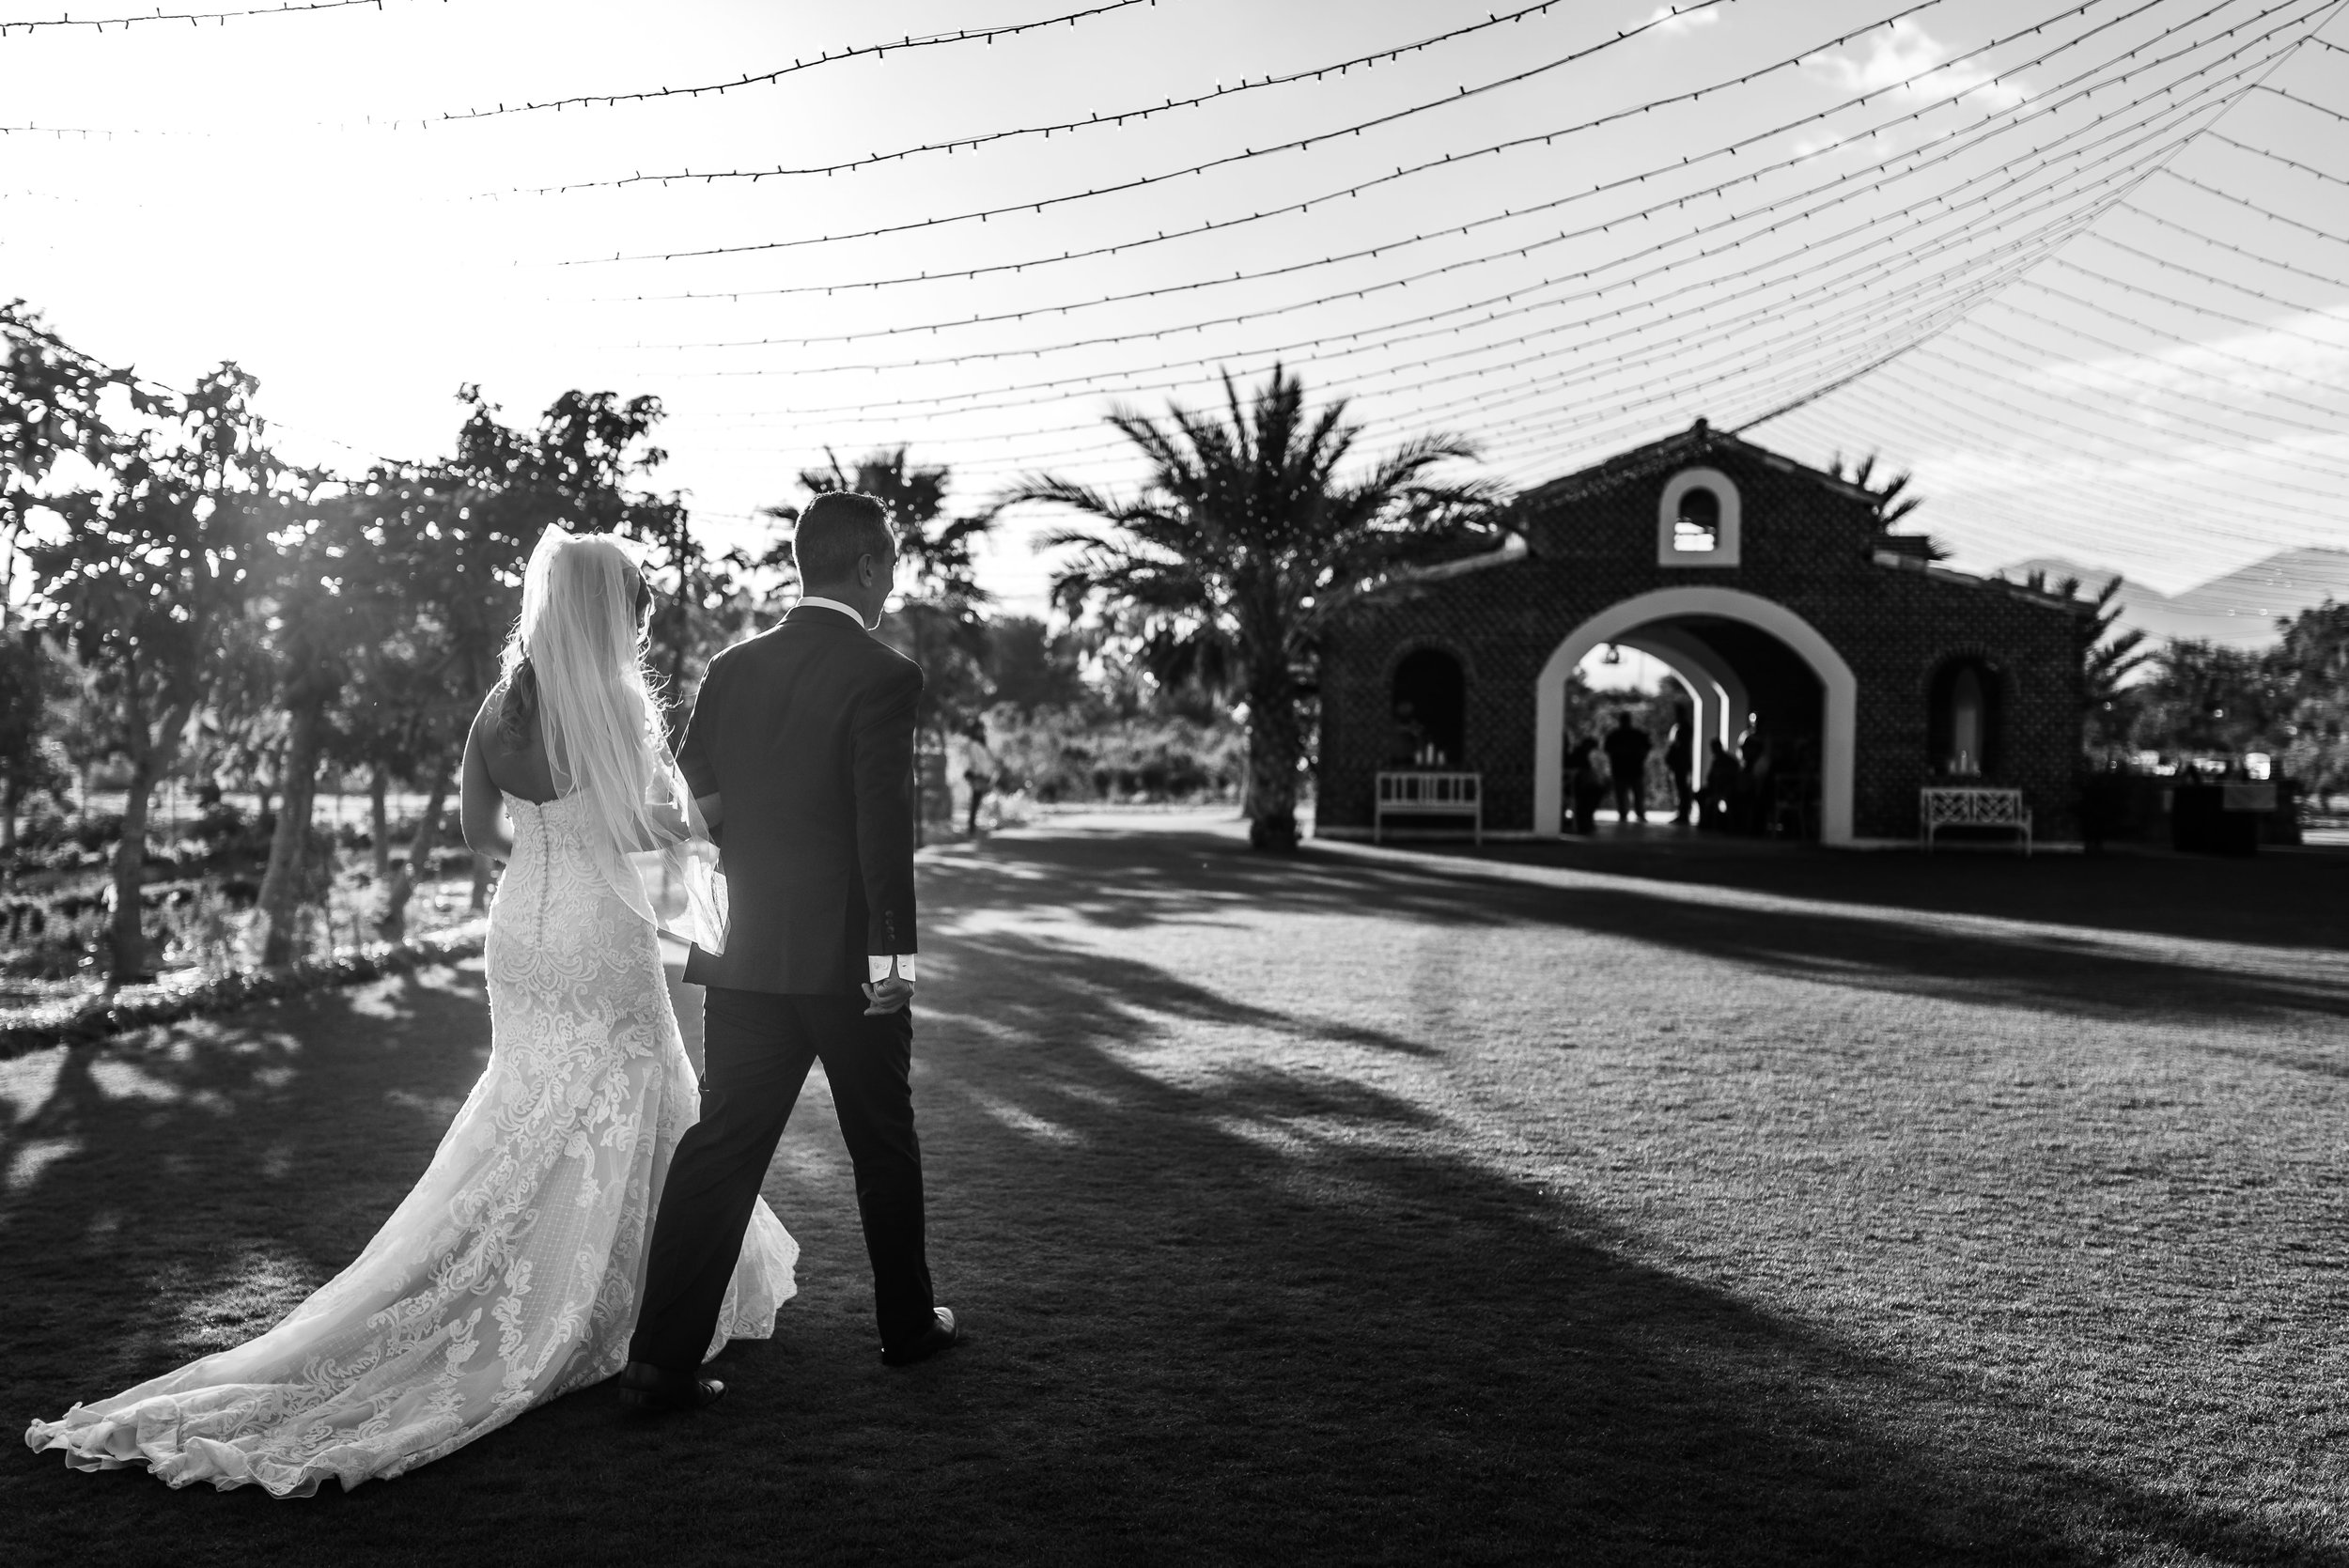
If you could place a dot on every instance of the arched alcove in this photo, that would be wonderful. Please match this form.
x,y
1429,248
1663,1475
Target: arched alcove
x,y
1430,703
1964,718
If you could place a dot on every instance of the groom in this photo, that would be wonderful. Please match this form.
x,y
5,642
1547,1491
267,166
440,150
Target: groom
x,y
801,754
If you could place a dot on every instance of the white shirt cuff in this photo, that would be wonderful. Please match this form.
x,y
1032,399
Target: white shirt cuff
x,y
877,967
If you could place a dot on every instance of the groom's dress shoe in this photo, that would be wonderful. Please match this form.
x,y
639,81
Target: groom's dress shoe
x,y
941,1334
648,1389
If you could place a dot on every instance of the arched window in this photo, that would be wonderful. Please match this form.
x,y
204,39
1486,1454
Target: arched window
x,y
1430,710
1962,729
1698,520
1698,528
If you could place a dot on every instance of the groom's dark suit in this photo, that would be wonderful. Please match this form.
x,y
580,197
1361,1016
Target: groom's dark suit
x,y
805,734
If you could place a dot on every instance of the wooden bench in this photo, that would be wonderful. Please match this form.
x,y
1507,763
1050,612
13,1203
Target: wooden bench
x,y
1973,806
1430,794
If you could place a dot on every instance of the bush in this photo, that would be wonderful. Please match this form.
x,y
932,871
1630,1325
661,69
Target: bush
x,y
1064,755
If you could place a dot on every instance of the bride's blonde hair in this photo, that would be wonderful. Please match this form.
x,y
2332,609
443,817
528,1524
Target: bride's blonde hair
x,y
575,663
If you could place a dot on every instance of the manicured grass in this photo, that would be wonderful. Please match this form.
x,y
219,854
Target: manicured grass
x,y
1624,1208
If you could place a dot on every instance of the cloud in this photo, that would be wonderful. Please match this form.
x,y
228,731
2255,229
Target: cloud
x,y
1903,50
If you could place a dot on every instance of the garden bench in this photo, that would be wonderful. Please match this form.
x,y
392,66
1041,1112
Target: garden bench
x,y
1973,806
1421,794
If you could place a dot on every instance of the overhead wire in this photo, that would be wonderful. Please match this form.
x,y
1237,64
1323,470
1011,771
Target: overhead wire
x,y
2244,251
1641,177
2221,508
2279,158
1651,301
831,58
983,215
1806,256
2000,121
1112,120
192,18
2227,317
2255,206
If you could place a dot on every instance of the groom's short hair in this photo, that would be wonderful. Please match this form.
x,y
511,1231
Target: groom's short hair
x,y
837,527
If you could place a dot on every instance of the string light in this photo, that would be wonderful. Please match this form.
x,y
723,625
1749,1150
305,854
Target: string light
x,y
1651,301
1092,122
2265,213
2205,277
2041,105
876,50
2276,157
1806,256
1143,181
192,18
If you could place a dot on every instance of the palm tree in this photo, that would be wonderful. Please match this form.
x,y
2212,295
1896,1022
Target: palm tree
x,y
1240,545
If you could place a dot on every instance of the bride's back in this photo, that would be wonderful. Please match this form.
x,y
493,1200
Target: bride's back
x,y
518,770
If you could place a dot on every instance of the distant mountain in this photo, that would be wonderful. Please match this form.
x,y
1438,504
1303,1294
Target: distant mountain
x,y
2239,610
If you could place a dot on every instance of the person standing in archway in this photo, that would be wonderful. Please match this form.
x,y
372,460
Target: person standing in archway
x,y
1626,748
1680,758
1583,787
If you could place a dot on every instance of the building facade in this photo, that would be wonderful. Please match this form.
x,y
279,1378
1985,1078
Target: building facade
x,y
1799,626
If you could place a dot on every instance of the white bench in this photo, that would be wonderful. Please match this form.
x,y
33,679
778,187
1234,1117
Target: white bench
x,y
1430,794
1973,806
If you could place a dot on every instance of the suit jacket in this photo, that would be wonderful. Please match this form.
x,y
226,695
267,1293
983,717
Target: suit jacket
x,y
805,732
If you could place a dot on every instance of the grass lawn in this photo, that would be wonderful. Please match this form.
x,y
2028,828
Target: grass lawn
x,y
1588,1204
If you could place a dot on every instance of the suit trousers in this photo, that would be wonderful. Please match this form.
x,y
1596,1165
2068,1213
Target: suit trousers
x,y
756,1047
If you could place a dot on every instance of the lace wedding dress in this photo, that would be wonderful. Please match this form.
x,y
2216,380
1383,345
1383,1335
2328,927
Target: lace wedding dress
x,y
511,1275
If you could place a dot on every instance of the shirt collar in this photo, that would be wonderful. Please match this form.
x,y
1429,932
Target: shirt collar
x,y
848,609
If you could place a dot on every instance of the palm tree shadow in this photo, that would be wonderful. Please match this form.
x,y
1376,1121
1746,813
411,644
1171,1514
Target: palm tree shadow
x,y
1480,1370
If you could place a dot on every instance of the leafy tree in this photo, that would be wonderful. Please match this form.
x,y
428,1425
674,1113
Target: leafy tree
x,y
1030,668
325,605
1242,543
2207,698
28,683
144,568
2312,663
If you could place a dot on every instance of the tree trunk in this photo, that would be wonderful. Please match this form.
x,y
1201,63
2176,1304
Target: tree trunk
x,y
7,815
281,884
480,883
1273,748
380,827
129,933
393,925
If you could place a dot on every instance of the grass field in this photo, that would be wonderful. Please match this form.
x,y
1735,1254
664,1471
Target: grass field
x,y
1595,1205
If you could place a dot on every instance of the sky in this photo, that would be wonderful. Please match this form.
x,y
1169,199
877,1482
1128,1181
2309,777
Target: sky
x,y
2079,268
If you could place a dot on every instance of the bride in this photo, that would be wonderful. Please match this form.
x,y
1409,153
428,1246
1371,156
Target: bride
x,y
511,1275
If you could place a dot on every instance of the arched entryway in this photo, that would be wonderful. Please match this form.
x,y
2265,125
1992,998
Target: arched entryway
x,y
1667,620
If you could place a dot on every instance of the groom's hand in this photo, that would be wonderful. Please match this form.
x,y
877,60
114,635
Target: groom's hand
x,y
888,996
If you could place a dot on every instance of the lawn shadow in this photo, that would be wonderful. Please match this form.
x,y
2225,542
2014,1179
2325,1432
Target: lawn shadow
x,y
1450,1364
1221,1312
2012,955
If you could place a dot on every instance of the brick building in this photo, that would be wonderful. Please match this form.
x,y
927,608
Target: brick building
x,y
1775,595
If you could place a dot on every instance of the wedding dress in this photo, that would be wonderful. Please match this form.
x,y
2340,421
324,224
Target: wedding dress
x,y
511,1274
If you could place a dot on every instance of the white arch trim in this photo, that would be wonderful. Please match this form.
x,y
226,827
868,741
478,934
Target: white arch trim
x,y
1616,621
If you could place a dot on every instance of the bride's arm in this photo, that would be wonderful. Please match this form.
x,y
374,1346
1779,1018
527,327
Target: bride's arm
x,y
481,808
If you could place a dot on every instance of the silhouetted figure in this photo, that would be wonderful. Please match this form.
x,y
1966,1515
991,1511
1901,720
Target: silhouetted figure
x,y
1758,752
1679,759
1724,786
1626,748
1583,789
